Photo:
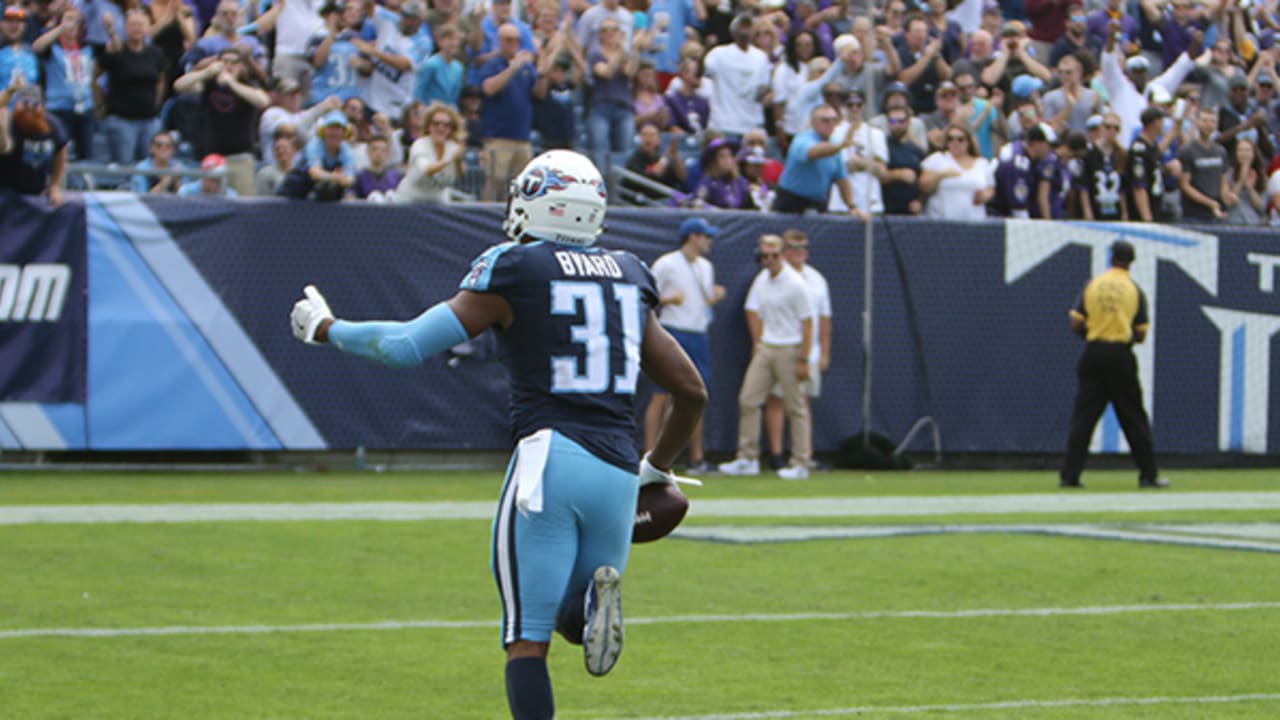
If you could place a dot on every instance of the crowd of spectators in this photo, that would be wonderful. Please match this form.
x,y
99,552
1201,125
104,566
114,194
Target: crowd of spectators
x,y
1154,110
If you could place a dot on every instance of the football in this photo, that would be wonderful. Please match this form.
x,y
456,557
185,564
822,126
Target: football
x,y
659,509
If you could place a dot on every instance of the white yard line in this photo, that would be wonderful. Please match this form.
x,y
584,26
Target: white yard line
x,y
904,506
669,620
876,711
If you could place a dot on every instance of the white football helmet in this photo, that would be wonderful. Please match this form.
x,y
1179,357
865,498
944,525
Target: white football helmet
x,y
559,196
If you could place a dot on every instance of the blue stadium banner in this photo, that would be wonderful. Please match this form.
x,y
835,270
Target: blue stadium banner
x,y
43,305
189,344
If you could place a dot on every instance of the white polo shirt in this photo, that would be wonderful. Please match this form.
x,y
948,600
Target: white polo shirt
x,y
673,272
782,302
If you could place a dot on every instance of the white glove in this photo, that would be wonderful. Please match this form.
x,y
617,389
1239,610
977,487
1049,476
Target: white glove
x,y
650,475
308,313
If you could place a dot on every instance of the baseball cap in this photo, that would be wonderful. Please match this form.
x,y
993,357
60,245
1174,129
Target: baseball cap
x,y
1012,28
1152,113
1122,251
1266,79
697,225
213,161
1137,63
752,156
413,9
845,41
286,86
1042,133
835,88
1024,85
1094,121
1238,81
1266,38
946,87
992,8
332,118
895,87
29,94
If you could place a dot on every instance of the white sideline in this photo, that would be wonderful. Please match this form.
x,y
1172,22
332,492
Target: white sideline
x,y
904,506
971,707
668,620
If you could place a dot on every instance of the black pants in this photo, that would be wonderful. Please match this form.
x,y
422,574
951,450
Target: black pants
x,y
1108,373
785,201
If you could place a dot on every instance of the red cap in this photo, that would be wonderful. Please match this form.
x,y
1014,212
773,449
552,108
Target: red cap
x,y
213,161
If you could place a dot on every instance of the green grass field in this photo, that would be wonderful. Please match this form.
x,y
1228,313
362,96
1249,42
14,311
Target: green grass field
x,y
371,618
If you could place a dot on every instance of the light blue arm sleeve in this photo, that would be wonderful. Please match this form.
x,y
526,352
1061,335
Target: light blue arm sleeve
x,y
400,344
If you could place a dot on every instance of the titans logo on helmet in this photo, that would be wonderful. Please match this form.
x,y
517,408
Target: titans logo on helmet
x,y
541,180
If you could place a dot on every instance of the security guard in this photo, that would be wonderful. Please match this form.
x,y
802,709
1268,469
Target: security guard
x,y
1111,314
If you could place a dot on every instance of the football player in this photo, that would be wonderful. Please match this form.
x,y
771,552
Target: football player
x,y
578,325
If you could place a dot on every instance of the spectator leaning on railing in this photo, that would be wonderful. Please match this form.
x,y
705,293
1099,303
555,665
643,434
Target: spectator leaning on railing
x,y
813,165
162,149
33,146
435,161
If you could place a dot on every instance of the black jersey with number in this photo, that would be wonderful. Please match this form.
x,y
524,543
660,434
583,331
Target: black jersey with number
x,y
1104,180
1145,172
573,350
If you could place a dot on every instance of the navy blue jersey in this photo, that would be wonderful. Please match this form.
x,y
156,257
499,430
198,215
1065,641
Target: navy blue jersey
x,y
1015,182
573,350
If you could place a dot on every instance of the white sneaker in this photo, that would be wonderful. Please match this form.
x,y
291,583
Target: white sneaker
x,y
602,636
794,472
740,466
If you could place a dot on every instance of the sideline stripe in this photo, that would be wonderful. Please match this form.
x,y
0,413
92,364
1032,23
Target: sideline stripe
x,y
1055,503
669,620
971,707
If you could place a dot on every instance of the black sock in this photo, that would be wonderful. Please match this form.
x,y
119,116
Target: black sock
x,y
529,689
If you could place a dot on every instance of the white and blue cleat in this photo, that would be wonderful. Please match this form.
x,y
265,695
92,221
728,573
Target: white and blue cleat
x,y
602,636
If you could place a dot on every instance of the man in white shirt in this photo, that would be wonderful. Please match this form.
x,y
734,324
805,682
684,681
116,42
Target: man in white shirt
x,y
795,252
741,73
297,22
865,159
781,336
286,109
401,46
687,292
1128,88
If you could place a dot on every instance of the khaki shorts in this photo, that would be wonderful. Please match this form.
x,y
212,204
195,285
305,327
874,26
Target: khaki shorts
x,y
503,159
811,387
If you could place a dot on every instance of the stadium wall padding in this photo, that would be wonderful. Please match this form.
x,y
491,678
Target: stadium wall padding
x,y
188,342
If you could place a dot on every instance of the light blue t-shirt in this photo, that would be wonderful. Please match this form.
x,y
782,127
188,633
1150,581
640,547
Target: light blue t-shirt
x,y
677,14
810,178
18,59
68,79
439,79
316,155
141,184
336,76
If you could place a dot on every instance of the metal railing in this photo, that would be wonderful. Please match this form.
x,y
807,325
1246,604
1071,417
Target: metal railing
x,y
90,173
